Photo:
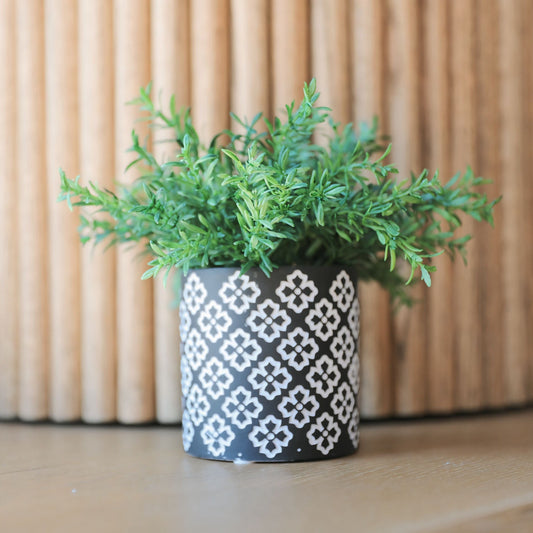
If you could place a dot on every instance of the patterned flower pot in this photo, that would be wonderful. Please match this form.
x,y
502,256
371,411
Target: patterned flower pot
x,y
270,365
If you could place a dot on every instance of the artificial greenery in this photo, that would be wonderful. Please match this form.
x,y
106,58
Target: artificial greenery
x,y
253,199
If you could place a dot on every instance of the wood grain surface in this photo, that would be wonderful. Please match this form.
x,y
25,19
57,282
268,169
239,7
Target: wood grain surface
x,y
97,163
135,345
436,157
368,63
250,59
210,70
290,51
489,240
451,475
32,213
62,150
466,293
330,56
170,52
404,122
516,303
8,216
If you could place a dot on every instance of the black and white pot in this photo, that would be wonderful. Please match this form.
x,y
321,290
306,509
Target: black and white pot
x,y
270,370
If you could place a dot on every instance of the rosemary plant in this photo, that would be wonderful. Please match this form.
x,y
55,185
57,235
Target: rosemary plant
x,y
277,198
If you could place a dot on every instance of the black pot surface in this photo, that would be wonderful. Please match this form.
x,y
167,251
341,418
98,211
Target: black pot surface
x,y
270,365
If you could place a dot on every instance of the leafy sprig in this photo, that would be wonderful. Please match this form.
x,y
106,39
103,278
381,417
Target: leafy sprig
x,y
275,197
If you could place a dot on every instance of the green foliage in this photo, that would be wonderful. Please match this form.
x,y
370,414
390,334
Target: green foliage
x,y
277,198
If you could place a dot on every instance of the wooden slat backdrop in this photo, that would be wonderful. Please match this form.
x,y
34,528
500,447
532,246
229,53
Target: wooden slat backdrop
x,y
81,337
8,216
98,345
32,253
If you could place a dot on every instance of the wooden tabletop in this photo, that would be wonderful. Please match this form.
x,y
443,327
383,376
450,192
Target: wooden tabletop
x,y
460,474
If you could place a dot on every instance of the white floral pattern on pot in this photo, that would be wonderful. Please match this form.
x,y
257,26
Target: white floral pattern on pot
x,y
214,321
342,291
241,407
353,373
343,347
353,318
217,435
270,436
185,319
186,376
269,320
323,319
240,350
197,405
269,379
215,379
324,376
324,434
238,292
194,293
298,349
353,429
188,430
343,403
297,291
299,407
195,349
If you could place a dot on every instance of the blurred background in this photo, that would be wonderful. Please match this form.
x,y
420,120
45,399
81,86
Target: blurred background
x,y
82,338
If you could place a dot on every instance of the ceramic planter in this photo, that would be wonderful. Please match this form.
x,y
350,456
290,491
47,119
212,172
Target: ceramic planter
x,y
270,365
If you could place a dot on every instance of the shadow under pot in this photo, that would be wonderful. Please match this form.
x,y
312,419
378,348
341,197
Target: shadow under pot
x,y
270,370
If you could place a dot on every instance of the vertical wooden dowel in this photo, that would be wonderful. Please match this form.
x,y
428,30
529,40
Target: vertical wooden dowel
x,y
368,78
98,346
250,59
488,238
290,51
441,360
8,216
170,76
330,63
135,371
404,93
527,128
465,284
210,69
32,227
514,266
63,241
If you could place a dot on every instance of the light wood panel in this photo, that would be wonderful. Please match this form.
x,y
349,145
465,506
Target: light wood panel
x,y
404,96
97,163
250,59
290,51
437,154
526,13
489,239
210,51
330,49
63,243
451,83
514,269
135,352
465,287
170,74
32,219
367,24
8,215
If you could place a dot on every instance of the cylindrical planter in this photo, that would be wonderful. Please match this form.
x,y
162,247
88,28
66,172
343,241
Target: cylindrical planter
x,y
270,370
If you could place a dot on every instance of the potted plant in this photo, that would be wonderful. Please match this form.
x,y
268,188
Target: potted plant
x,y
271,232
